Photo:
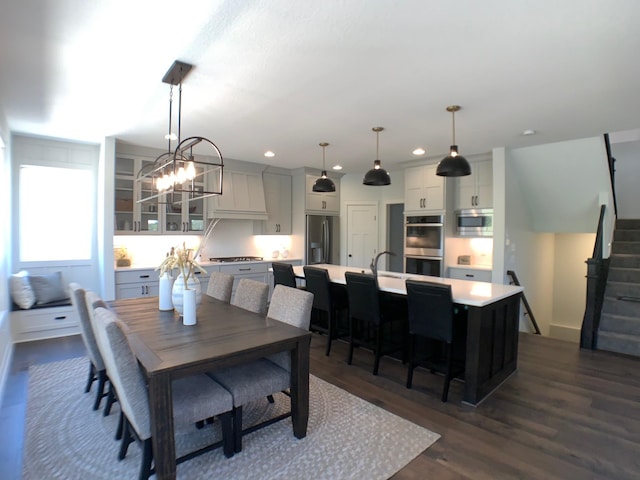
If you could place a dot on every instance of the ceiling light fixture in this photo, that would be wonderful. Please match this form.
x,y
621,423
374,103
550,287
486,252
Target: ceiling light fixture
x,y
377,176
179,171
419,151
453,165
324,183
269,154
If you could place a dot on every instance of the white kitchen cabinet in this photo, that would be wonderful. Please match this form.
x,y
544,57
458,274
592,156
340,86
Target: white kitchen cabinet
x,y
170,214
323,203
424,190
468,273
242,196
136,283
132,217
476,190
41,323
277,195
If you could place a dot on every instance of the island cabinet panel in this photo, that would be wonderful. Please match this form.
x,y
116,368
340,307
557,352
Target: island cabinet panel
x,y
492,347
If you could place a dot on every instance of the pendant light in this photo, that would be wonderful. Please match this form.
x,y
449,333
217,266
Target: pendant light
x,y
453,165
377,176
179,172
324,183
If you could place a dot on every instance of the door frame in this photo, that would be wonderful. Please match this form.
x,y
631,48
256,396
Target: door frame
x,y
352,203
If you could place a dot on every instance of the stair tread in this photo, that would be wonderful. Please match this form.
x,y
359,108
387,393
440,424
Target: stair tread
x,y
622,336
620,317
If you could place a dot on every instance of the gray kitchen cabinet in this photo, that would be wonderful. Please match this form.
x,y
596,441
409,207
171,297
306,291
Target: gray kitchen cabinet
x,y
136,283
323,203
424,190
41,323
254,271
277,194
476,190
467,273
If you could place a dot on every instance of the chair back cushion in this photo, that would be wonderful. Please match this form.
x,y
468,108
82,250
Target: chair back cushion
x,y
86,329
220,286
124,372
251,295
430,309
283,274
293,306
364,298
317,282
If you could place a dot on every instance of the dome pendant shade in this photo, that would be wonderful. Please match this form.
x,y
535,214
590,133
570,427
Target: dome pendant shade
x,y
324,184
453,165
377,176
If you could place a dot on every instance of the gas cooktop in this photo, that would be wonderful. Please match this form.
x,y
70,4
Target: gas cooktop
x,y
235,259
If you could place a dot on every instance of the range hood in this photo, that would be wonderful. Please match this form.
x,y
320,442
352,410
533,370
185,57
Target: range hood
x,y
242,197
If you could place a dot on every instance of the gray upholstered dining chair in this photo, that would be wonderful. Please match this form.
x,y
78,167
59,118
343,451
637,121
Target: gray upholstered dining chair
x,y
251,295
97,370
195,397
220,286
266,376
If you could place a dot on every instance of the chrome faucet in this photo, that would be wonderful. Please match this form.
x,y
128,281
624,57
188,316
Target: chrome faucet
x,y
374,262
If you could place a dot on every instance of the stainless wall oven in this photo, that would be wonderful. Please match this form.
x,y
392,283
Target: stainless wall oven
x,y
424,244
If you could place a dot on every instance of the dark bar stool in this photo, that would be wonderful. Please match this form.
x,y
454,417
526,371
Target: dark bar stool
x,y
431,316
283,274
366,319
329,301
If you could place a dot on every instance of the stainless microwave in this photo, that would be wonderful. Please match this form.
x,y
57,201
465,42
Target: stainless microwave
x,y
474,222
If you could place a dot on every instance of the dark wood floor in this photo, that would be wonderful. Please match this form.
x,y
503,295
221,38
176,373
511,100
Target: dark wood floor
x,y
565,414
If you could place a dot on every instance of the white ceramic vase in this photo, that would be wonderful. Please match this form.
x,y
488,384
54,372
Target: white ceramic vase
x,y
178,288
189,307
165,302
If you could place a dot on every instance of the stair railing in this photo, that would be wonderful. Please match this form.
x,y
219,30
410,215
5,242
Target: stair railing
x,y
597,272
527,309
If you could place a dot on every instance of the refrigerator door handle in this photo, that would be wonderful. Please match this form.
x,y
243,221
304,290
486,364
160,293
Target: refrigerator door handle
x,y
325,241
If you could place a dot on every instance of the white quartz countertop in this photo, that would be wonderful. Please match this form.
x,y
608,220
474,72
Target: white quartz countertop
x,y
206,264
465,292
473,267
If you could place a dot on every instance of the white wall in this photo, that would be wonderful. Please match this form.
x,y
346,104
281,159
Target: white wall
x,y
627,155
6,347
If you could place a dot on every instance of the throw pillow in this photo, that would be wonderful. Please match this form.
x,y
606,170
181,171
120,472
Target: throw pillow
x,y
48,288
21,292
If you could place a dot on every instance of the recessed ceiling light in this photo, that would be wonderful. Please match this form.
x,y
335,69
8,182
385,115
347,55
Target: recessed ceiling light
x,y
269,154
171,136
529,132
337,167
419,151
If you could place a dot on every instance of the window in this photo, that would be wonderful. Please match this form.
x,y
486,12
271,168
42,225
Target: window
x,y
56,218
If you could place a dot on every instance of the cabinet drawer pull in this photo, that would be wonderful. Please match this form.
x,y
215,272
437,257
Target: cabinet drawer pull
x,y
469,275
244,269
61,317
144,276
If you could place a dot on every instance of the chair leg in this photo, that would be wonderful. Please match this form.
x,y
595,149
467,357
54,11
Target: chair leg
x,y
102,380
411,365
447,378
378,349
352,326
237,429
127,438
147,457
331,328
92,377
111,399
226,422
120,429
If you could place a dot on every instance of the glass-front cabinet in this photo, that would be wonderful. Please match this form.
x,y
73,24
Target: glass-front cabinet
x,y
170,213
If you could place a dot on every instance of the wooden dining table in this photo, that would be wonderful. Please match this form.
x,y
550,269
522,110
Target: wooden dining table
x,y
224,335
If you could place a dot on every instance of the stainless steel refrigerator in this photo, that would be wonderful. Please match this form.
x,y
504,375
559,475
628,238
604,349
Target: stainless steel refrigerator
x,y
322,239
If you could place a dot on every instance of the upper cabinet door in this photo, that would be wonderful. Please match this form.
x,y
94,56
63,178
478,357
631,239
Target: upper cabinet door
x,y
131,216
476,190
424,190
320,202
277,194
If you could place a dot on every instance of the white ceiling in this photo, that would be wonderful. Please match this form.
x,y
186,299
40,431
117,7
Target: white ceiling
x,y
285,75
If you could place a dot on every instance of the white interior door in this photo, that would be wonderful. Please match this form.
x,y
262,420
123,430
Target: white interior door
x,y
362,234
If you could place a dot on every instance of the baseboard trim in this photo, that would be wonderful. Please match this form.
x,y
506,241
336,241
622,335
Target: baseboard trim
x,y
564,332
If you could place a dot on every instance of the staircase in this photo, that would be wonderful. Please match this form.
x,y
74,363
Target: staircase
x,y
620,320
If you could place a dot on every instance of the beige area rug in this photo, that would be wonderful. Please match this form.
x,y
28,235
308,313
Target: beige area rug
x,y
347,437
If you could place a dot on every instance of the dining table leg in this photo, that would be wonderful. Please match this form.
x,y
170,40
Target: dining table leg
x,y
300,387
161,410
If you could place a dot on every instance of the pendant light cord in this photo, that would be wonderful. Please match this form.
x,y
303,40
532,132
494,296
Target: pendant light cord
x,y
453,122
378,145
170,102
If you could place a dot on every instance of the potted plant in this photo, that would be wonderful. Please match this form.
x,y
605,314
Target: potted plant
x,y
183,259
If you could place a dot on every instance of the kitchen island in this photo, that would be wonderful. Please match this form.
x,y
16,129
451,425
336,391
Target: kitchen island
x,y
493,317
